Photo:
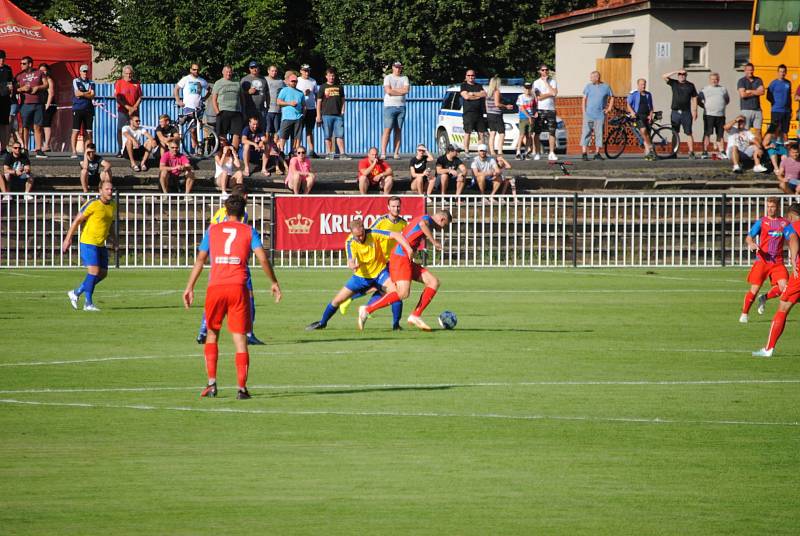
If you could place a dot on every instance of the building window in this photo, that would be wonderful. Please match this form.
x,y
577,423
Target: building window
x,y
741,54
694,55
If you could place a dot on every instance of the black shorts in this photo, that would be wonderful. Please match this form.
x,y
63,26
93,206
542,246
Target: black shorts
x,y
229,123
712,125
781,119
273,122
291,128
273,162
83,119
545,121
642,120
681,119
474,122
5,109
496,123
49,114
310,121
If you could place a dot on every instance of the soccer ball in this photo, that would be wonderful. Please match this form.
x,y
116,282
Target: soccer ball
x,y
448,320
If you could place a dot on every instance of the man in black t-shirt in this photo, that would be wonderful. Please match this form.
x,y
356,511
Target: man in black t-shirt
x,y
166,131
418,169
449,165
16,171
330,112
473,98
94,168
684,105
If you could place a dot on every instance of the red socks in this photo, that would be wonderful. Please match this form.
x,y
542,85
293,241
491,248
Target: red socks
x,y
776,328
211,351
387,300
749,298
424,300
774,292
242,366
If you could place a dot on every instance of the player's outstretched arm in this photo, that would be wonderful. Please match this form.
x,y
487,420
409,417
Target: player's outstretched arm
x,y
197,269
267,267
400,239
67,241
426,230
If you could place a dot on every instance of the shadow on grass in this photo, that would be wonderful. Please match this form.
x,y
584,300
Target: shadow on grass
x,y
353,391
144,307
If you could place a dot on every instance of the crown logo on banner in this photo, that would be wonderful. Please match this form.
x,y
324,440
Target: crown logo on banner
x,y
299,224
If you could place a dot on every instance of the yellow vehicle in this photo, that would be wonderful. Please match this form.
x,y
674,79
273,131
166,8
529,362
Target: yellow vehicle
x,y
775,40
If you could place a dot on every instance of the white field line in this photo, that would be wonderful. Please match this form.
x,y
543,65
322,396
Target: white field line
x,y
332,386
425,414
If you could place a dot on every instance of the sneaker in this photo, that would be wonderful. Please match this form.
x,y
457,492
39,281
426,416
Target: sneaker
x,y
517,156
363,315
585,157
764,352
418,322
737,168
758,168
243,394
315,325
743,318
537,156
397,327
704,155
91,307
253,340
73,299
40,154
28,197
330,156
552,157
598,156
762,304
224,196
723,156
201,337
6,198
210,390
344,305
74,156
692,156
345,157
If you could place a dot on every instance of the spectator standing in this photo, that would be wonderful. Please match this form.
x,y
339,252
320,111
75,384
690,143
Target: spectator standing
x,y
779,94
31,85
227,167
713,98
166,132
83,93
494,115
789,171
374,172
526,104
253,147
299,175
94,168
128,94
640,105
50,107
448,166
546,90
330,112
474,106
256,94
485,168
292,103
684,105
743,142
310,89
596,103
16,171
275,85
189,93
6,92
418,169
172,166
138,143
395,89
226,98
750,88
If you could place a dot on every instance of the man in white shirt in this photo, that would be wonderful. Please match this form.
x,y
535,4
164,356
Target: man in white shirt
x,y
546,90
189,93
743,142
485,168
137,143
395,89
309,87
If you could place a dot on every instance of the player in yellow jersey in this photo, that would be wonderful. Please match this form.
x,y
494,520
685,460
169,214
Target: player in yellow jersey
x,y
365,257
97,217
392,221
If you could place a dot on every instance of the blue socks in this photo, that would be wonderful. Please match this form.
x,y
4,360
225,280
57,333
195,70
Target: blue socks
x,y
397,313
330,310
87,286
252,311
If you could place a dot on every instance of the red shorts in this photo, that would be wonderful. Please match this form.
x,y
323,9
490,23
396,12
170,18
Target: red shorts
x,y
761,270
792,292
401,268
232,301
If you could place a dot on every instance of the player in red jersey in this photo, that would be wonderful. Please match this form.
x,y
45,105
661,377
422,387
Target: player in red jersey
x,y
792,292
229,245
769,249
402,269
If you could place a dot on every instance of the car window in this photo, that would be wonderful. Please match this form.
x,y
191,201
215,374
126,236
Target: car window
x,y
447,102
510,98
457,101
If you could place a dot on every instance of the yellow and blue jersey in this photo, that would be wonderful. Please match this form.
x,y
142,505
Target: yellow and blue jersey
x,y
97,225
221,215
368,253
385,223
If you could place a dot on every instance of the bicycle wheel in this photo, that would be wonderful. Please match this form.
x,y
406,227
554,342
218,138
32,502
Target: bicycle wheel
x,y
665,143
615,142
207,141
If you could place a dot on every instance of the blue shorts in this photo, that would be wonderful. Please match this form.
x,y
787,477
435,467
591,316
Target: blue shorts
x,y
394,116
334,126
249,280
94,255
362,284
779,150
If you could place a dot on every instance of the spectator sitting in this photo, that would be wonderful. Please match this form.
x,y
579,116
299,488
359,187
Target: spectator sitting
x,y
166,132
742,141
16,171
775,143
276,160
94,168
484,168
227,167
374,172
300,172
138,143
253,146
789,171
418,169
506,182
449,165
174,165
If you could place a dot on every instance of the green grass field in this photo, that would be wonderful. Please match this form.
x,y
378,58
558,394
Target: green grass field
x,y
565,402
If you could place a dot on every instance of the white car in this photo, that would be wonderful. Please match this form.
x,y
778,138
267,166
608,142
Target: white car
x,y
450,126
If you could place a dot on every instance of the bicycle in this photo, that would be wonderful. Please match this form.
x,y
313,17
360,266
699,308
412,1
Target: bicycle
x,y
664,139
195,129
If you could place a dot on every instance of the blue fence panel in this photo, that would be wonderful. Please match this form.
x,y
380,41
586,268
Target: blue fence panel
x,y
363,116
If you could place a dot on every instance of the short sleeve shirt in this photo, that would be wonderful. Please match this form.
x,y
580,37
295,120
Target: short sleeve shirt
x,y
300,166
255,136
488,165
597,96
791,168
443,162
525,103
309,88
289,94
749,103
227,92
275,87
168,159
682,94
93,165
473,106
16,162
332,99
781,93
540,87
81,103
192,89
419,165
379,168
129,91
138,134
256,102
32,78
394,82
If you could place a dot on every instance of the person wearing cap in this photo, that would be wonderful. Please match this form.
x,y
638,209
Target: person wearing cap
x,y
6,91
684,105
256,94
83,93
474,106
309,87
448,165
395,89
526,104
330,111
597,102
30,85
189,93
227,100
418,169
374,172
484,168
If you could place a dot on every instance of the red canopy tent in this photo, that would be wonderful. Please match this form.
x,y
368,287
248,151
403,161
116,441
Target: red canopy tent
x,y
22,35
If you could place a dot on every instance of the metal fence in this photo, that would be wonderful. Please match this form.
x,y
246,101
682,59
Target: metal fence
x,y
551,230
363,118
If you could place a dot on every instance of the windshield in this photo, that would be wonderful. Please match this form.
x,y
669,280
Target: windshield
x,y
777,16
509,98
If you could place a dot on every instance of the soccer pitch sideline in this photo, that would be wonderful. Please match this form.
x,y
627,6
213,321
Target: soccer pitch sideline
x,y
564,402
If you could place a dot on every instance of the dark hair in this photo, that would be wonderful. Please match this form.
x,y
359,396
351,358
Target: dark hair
x,y
234,205
90,146
46,66
394,198
2,53
254,117
239,189
795,208
28,59
134,114
782,66
748,64
330,70
356,224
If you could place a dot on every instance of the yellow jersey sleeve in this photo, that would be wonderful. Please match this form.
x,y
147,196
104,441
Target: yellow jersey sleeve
x,y
384,223
369,254
97,225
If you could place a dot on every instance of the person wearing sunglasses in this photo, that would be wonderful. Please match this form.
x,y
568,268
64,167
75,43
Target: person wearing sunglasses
x,y
418,169
300,176
94,168
684,105
31,86
172,166
292,102
16,171
546,90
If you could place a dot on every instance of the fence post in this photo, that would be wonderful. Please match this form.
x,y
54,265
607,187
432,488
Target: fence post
x,y
116,225
724,217
575,230
272,228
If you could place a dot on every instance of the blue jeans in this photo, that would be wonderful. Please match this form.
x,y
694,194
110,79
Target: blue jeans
x,y
334,126
394,116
